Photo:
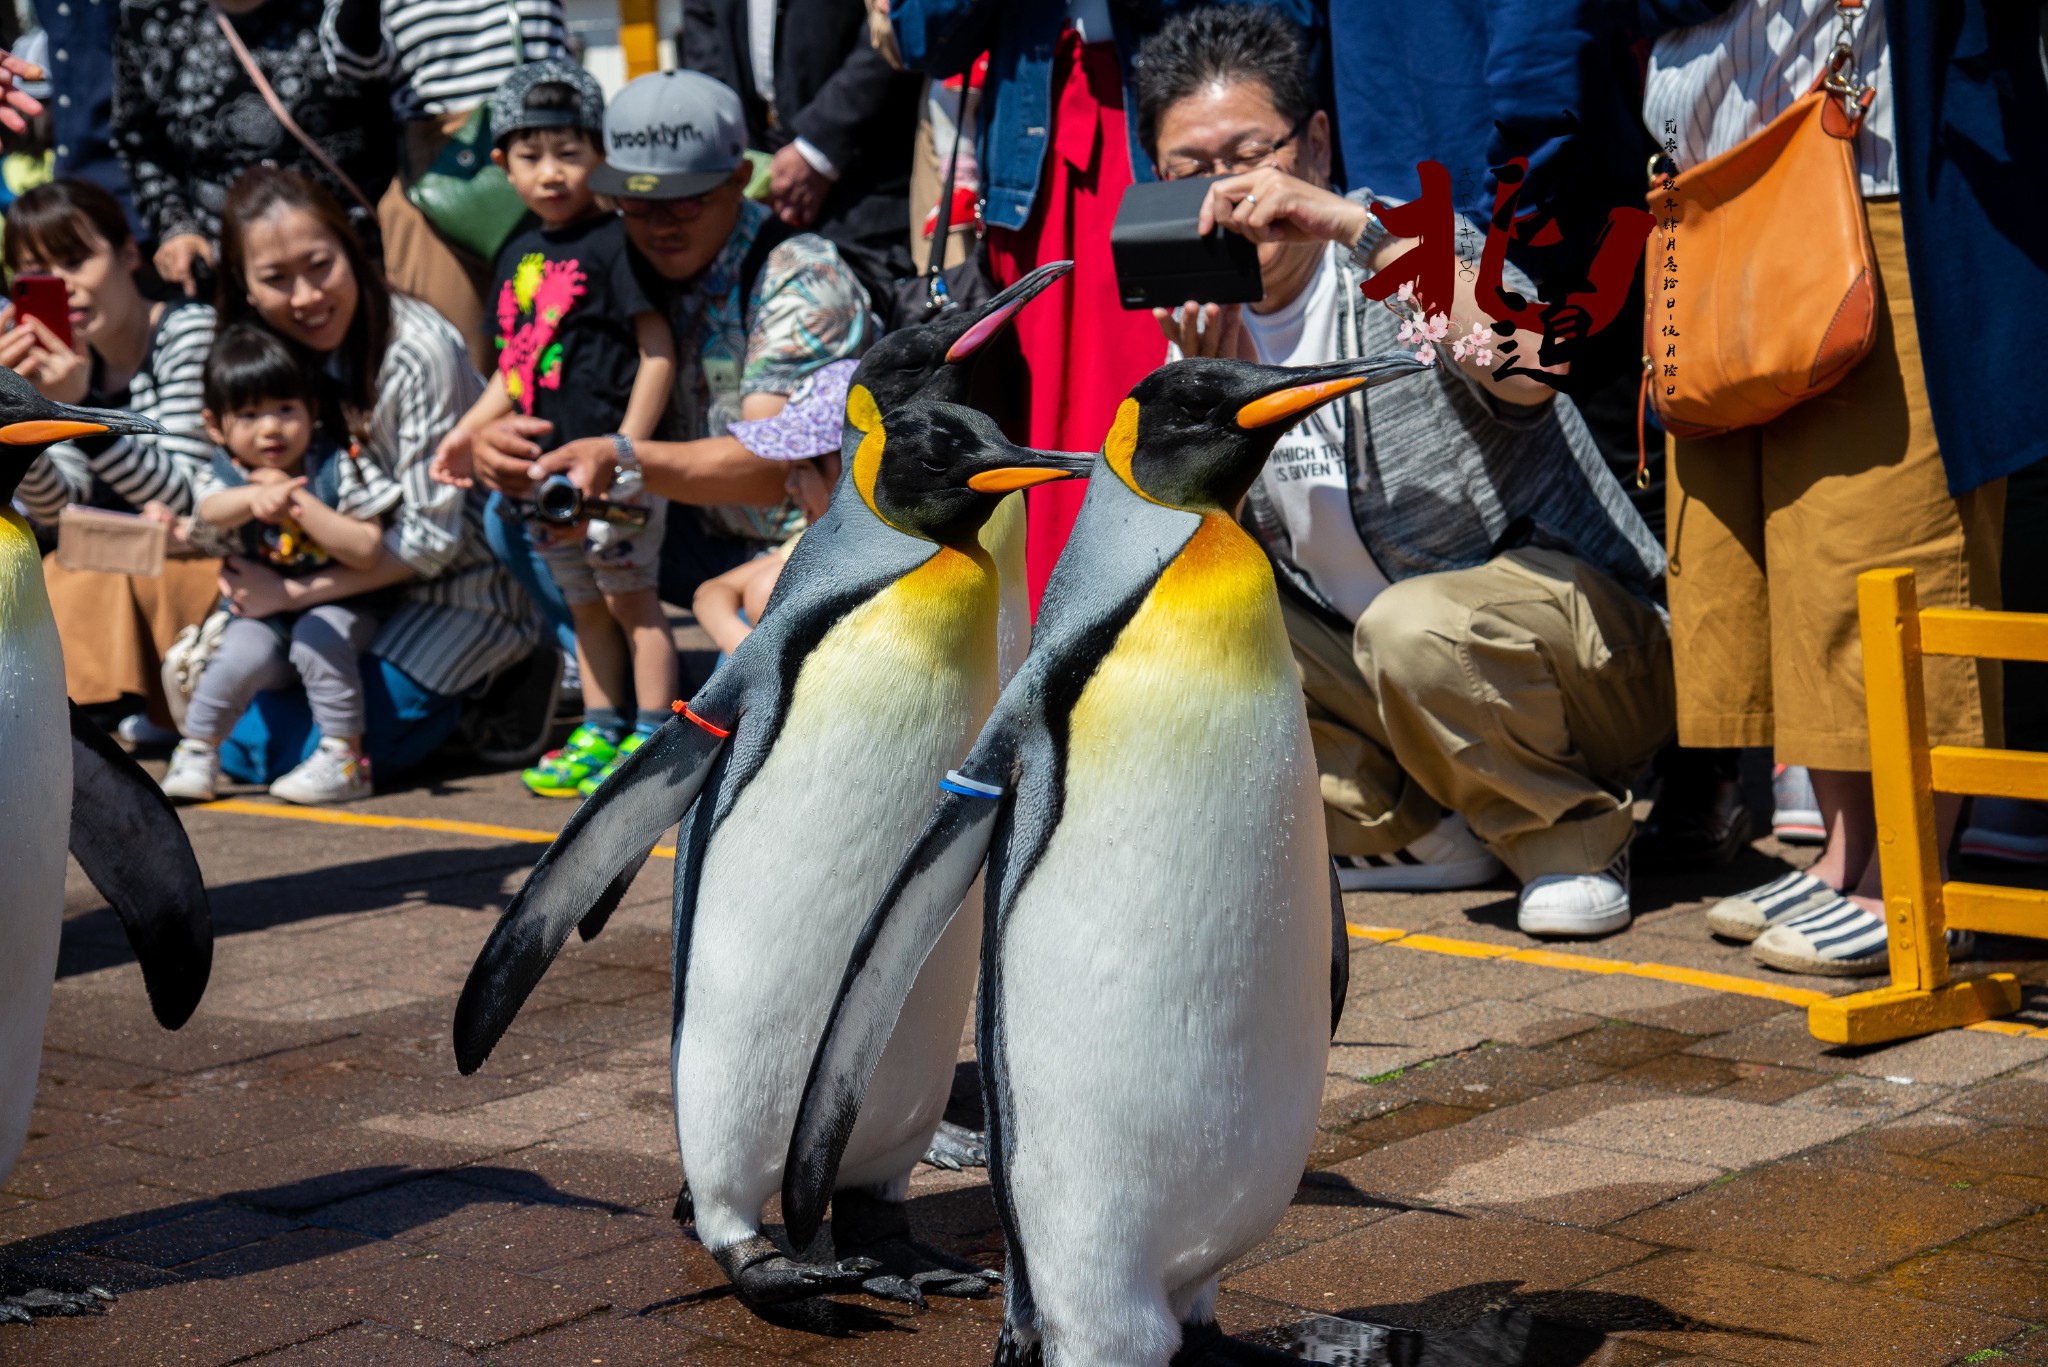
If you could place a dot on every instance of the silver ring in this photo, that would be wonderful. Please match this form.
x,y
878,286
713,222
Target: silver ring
x,y
1252,200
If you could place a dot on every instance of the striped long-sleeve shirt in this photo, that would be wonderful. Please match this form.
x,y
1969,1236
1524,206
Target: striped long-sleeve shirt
x,y
462,618
442,55
140,469
1718,83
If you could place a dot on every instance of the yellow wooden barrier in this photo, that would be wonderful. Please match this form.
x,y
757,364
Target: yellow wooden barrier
x,y
1905,772
638,38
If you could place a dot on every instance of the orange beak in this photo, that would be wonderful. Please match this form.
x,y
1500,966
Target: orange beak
x,y
1288,404
1012,478
42,432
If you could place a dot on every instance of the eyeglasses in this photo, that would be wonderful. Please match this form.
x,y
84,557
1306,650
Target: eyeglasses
x,y
1250,156
676,210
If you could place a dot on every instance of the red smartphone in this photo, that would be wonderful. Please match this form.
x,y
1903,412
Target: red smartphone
x,y
44,297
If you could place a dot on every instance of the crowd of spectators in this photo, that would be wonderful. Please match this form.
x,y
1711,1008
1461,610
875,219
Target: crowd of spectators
x,y
1509,610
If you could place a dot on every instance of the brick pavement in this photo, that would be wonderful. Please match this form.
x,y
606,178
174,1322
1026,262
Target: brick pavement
x,y
1521,1159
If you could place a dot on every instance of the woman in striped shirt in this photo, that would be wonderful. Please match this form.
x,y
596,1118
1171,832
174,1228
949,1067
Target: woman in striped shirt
x,y
442,58
127,353
289,263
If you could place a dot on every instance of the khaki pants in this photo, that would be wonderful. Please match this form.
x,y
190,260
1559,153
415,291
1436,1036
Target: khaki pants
x,y
426,265
1769,527
1526,694
116,627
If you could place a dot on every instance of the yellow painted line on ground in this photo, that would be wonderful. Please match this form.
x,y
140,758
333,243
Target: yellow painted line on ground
x,y
1670,973
325,817
1388,935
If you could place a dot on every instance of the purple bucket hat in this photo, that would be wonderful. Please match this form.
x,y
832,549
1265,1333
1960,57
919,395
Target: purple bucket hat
x,y
809,424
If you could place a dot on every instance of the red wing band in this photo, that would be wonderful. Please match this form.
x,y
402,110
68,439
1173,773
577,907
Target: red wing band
x,y
682,709
956,782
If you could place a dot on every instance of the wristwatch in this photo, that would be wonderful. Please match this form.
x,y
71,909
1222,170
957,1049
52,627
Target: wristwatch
x,y
626,476
1371,238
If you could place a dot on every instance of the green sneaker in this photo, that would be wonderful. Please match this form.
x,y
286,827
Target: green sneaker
x,y
585,752
626,747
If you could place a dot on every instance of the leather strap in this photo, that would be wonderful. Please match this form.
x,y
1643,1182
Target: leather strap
x,y
278,110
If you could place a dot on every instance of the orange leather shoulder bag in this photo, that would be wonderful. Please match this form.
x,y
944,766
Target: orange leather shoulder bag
x,y
1761,283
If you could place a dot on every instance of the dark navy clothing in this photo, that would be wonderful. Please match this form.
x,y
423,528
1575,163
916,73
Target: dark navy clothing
x,y
943,37
277,547
82,107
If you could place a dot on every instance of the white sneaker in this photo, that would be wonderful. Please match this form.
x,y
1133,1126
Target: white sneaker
x,y
1576,905
1448,856
1840,940
332,773
1795,815
1747,915
194,772
139,731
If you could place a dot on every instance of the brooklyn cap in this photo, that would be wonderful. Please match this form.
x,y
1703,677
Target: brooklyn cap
x,y
670,135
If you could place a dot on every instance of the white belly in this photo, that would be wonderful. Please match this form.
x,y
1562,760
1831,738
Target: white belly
x,y
35,824
1165,970
790,878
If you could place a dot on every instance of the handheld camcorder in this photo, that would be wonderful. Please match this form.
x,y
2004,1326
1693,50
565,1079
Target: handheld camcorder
x,y
1162,262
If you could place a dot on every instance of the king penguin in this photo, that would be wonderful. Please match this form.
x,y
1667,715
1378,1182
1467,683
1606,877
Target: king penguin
x,y
875,660
1164,953
69,786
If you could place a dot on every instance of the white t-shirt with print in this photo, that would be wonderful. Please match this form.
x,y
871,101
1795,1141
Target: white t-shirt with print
x,y
1306,479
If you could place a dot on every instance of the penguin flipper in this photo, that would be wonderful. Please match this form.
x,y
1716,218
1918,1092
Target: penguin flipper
x,y
127,837
581,878
913,913
594,921
1340,952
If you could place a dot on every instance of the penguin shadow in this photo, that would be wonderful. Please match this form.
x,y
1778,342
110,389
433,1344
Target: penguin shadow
x,y
1487,1324
473,878
259,1230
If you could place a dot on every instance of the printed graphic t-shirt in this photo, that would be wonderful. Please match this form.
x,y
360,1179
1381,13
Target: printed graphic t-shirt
x,y
565,300
1306,479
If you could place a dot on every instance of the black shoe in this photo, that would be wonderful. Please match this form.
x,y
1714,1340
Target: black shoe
x,y
509,724
1701,819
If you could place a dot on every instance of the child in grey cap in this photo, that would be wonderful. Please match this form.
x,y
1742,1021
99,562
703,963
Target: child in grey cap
x,y
581,343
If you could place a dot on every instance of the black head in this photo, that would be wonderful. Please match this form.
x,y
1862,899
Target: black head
x,y
1194,434
932,358
29,423
938,470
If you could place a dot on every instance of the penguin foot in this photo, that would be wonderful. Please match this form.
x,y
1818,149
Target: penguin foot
x,y
955,1147
869,1227
23,1298
1206,1345
764,1275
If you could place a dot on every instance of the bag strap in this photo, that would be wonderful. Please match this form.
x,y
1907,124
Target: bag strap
x,y
277,109
519,33
936,294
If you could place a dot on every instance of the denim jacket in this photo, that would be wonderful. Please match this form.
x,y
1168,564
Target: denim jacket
x,y
943,37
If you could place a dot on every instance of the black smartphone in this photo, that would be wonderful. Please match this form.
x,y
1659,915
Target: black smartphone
x,y
1162,262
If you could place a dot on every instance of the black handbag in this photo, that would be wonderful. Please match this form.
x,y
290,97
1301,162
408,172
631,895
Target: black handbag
x,y
920,298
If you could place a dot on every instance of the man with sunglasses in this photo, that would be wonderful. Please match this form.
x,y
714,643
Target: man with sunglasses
x,y
754,307
1469,597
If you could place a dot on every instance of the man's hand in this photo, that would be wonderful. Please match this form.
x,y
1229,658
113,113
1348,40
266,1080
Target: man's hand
x,y
254,590
32,351
502,452
590,465
175,257
796,189
15,107
454,459
1268,205
273,499
1207,330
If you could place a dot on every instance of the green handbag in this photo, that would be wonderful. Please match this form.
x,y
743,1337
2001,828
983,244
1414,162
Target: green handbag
x,y
463,194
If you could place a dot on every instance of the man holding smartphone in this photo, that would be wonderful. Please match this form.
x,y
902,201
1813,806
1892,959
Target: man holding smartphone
x,y
1471,601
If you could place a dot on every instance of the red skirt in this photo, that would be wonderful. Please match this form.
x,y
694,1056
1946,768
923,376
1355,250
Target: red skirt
x,y
1082,351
